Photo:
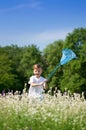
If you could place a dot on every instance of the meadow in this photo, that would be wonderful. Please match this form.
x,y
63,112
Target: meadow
x,y
58,112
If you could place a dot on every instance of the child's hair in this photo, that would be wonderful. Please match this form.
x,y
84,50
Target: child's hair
x,y
37,66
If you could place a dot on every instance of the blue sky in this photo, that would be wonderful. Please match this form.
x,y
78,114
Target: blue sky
x,y
39,22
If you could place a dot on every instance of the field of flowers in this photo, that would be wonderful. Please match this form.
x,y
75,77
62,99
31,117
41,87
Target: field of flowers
x,y
60,112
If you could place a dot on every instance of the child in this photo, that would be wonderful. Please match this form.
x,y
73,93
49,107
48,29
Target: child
x,y
37,83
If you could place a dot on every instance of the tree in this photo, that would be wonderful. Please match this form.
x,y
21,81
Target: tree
x,y
74,72
52,54
6,77
31,56
11,78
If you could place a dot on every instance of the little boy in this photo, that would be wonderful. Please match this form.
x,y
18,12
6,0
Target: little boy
x,y
37,83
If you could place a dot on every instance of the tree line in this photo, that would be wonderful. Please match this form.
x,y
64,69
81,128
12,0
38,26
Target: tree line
x,y
16,64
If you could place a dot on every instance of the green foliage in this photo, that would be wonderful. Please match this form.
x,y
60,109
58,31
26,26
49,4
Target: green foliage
x,y
9,61
6,77
74,73
31,56
52,54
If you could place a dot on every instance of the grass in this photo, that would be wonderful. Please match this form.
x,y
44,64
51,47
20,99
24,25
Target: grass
x,y
17,112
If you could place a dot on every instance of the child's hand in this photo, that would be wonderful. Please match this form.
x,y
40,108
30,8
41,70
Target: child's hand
x,y
45,80
42,83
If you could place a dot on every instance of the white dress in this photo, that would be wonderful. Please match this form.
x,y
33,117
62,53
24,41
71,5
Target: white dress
x,y
36,91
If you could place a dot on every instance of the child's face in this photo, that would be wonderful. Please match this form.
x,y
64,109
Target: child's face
x,y
37,72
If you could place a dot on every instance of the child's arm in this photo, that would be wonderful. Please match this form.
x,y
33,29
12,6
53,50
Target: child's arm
x,y
36,84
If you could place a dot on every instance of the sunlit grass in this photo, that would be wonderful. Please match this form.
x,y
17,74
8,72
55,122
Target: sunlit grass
x,y
58,112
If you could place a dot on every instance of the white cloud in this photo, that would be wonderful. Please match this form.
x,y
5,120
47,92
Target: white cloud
x,y
47,36
51,35
29,5
41,39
